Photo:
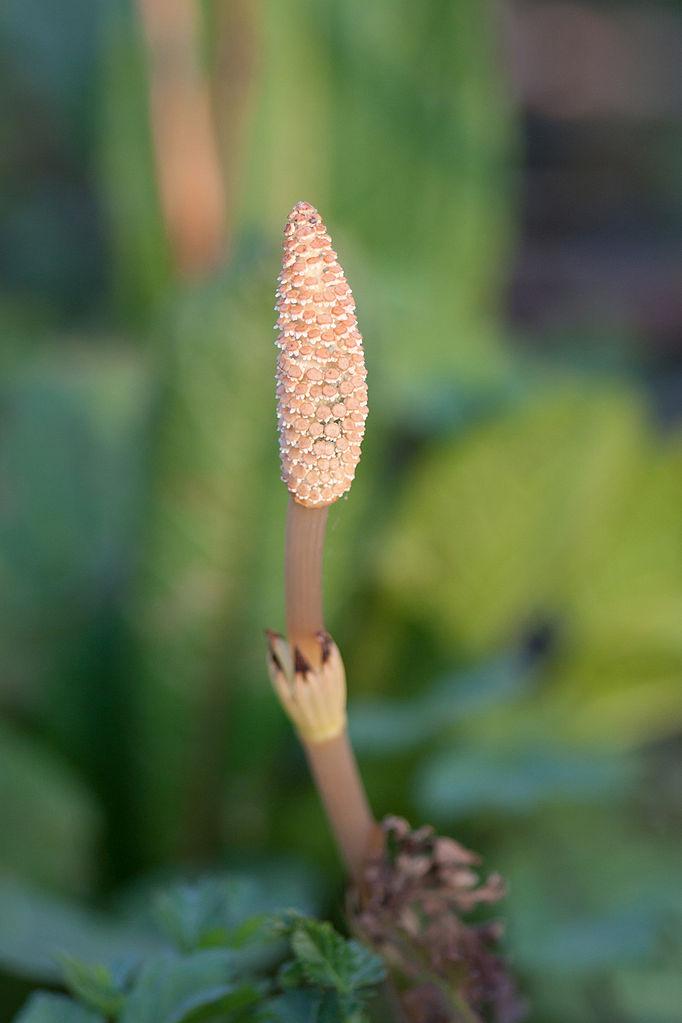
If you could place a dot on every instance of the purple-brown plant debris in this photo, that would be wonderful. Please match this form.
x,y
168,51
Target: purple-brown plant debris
x,y
409,908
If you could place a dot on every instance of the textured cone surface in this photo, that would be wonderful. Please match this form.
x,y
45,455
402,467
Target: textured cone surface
x,y
321,389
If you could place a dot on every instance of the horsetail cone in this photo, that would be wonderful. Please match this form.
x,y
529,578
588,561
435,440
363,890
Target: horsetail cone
x,y
321,409
321,389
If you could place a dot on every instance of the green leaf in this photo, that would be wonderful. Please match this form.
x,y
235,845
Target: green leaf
x,y
201,549
50,819
563,506
516,779
139,247
331,961
381,726
65,538
70,511
170,988
297,1006
36,928
337,1008
291,975
606,891
206,913
329,1010
593,943
227,1003
535,509
345,970
94,985
447,127
310,1006
227,910
653,994
48,1008
622,691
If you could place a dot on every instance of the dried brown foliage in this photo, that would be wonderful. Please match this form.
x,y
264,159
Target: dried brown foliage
x,y
409,908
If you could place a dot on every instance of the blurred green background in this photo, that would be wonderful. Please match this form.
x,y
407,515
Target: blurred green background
x,y
505,579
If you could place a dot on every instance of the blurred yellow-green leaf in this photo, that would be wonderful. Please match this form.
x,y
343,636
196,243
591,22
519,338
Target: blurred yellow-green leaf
x,y
563,508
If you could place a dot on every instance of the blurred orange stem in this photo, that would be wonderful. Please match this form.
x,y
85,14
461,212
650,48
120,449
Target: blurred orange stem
x,y
185,147
237,46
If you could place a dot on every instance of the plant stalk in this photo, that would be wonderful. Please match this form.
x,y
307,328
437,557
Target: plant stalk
x,y
338,781
332,762
303,578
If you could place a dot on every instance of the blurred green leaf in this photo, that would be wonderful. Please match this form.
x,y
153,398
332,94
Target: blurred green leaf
x,y
563,506
477,541
240,1004
68,514
225,901
651,994
70,463
381,726
227,911
606,892
141,268
433,144
592,944
296,1006
460,782
199,540
48,1008
36,928
203,914
94,985
171,988
51,821
619,694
